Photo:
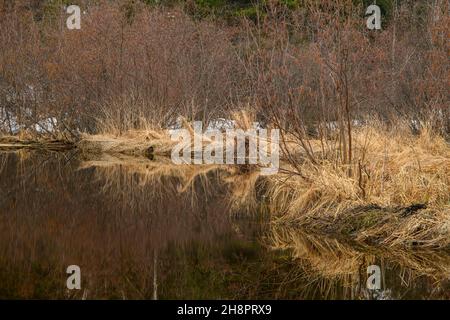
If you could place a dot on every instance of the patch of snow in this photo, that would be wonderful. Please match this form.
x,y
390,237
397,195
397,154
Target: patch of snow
x,y
9,123
415,125
331,125
221,124
176,126
46,125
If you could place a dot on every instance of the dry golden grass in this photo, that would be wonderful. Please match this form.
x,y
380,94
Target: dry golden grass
x,y
393,170
135,142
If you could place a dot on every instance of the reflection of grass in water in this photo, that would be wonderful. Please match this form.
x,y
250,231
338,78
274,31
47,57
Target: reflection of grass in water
x,y
241,181
113,169
331,260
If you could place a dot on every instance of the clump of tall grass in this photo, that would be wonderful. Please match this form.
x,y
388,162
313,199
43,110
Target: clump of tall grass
x,y
392,170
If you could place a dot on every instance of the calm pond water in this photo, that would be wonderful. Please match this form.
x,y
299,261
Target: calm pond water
x,y
140,233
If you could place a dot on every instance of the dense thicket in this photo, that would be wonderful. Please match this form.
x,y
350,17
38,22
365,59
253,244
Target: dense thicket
x,y
296,62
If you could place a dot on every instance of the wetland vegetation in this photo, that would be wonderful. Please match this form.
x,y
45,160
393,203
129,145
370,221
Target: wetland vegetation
x,y
86,176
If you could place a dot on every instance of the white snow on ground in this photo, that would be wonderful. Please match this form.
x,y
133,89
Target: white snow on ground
x,y
176,126
415,125
46,125
220,124
9,123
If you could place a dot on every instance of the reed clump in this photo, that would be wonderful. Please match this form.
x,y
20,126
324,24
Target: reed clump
x,y
395,192
137,142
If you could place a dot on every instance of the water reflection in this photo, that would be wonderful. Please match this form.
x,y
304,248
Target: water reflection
x,y
340,268
141,230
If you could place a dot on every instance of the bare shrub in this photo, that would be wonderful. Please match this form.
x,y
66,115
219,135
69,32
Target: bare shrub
x,y
159,61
